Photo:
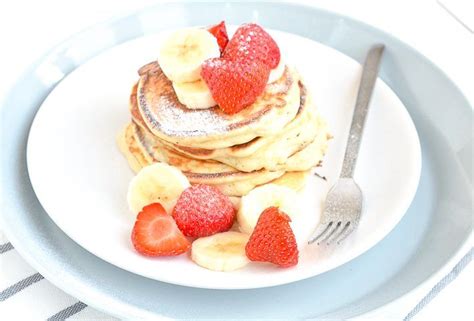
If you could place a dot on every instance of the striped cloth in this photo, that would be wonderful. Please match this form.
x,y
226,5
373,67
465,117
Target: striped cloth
x,y
21,286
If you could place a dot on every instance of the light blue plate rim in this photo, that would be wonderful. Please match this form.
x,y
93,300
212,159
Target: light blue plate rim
x,y
44,246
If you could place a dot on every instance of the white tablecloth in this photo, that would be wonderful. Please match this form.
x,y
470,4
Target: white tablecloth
x,y
29,28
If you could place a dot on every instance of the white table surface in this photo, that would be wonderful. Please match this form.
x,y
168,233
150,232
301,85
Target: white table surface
x,y
28,28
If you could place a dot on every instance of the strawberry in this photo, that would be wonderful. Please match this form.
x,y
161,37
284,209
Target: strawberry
x,y
203,210
250,42
234,85
155,233
273,240
219,31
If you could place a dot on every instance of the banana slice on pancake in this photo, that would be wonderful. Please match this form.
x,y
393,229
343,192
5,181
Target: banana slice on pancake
x,y
182,53
194,95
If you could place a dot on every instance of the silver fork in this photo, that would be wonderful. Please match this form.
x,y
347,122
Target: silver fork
x,y
343,205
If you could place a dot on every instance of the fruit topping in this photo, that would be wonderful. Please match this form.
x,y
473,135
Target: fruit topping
x,y
219,31
257,200
194,95
203,210
273,240
158,182
234,84
250,42
155,233
182,53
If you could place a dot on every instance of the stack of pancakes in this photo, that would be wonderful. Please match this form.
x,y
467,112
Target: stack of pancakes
x,y
279,138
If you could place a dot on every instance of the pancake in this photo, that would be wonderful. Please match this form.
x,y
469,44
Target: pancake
x,y
296,137
294,180
240,150
137,160
269,152
310,156
130,149
232,183
211,128
277,139
303,158
297,150
133,107
199,171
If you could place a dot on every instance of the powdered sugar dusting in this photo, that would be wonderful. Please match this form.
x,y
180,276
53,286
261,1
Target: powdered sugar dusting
x,y
161,109
180,121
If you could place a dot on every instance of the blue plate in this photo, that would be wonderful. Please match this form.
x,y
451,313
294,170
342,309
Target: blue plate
x,y
435,227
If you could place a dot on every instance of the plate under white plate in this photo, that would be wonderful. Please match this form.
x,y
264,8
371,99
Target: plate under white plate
x,y
81,178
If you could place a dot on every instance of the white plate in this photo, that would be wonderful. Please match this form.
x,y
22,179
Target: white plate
x,y
81,178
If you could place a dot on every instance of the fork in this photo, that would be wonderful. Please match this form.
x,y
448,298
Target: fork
x,y
343,205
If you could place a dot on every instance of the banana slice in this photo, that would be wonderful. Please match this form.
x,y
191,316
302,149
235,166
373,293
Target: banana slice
x,y
194,95
260,198
221,252
276,72
181,55
157,182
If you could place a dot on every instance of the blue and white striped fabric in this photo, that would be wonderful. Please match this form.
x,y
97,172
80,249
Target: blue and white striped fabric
x,y
21,286
26,295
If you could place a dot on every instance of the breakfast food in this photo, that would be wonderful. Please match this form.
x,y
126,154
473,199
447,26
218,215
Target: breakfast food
x,y
182,55
156,234
202,210
264,125
251,43
220,32
221,252
273,240
222,135
158,182
255,202
234,84
195,94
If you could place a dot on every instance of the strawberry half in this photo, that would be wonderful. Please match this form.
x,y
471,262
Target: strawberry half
x,y
155,233
234,85
250,42
220,32
273,240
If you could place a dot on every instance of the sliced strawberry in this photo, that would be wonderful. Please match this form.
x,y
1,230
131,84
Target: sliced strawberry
x,y
219,31
250,42
234,85
155,233
273,240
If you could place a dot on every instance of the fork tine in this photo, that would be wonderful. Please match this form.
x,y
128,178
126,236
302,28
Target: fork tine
x,y
350,226
331,235
337,234
320,231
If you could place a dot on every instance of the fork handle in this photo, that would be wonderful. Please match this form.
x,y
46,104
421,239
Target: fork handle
x,y
367,82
